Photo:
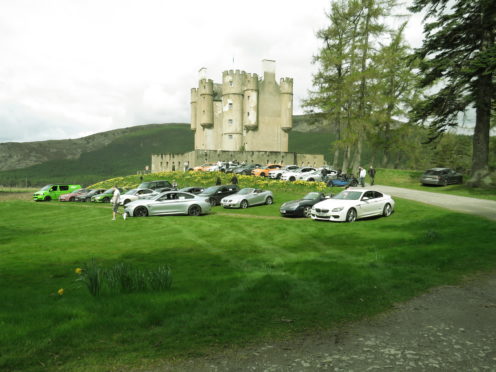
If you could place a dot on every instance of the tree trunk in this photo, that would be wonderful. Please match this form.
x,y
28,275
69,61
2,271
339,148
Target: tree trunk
x,y
346,159
357,161
335,159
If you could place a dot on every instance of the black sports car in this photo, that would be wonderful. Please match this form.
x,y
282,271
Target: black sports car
x,y
192,190
441,177
301,207
215,193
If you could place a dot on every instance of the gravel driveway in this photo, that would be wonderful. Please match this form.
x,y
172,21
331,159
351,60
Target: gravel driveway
x,y
463,204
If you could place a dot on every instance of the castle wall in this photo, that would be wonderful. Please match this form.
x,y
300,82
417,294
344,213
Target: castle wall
x,y
169,162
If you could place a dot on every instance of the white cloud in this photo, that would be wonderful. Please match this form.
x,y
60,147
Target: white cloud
x,y
83,66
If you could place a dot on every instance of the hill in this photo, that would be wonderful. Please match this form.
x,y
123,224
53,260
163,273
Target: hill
x,y
119,152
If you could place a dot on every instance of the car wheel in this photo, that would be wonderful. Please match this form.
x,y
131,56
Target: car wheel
x,y
307,211
311,180
72,199
351,215
47,198
278,177
292,179
445,182
140,212
243,204
262,174
387,210
354,183
126,201
106,200
194,210
269,200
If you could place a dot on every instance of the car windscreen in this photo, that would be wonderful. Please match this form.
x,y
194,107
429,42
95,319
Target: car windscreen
x,y
348,195
144,185
431,172
311,196
130,192
210,190
245,191
109,191
45,188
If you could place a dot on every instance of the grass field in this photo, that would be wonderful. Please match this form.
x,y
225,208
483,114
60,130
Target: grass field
x,y
238,277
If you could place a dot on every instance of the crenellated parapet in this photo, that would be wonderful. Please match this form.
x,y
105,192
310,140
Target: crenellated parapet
x,y
233,82
205,103
286,85
251,82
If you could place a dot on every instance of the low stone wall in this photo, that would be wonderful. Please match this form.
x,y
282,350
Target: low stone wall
x,y
171,162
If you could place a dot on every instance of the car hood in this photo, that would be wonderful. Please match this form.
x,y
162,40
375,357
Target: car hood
x,y
235,197
334,203
292,203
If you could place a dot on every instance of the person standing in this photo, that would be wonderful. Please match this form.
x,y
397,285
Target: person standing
x,y
234,180
361,176
372,175
115,201
174,185
218,181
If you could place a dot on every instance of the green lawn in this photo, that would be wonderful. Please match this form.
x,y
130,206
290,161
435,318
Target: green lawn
x,y
236,278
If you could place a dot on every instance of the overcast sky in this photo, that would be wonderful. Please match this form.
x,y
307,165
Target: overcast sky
x,y
70,68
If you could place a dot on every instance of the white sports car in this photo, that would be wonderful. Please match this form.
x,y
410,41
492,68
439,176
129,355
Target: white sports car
x,y
316,175
352,204
136,194
247,197
277,173
293,175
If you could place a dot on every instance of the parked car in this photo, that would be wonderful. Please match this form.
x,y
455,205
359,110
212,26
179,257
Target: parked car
x,y
264,172
352,204
214,194
168,203
278,172
159,184
203,167
247,197
441,177
71,197
245,169
343,180
301,207
50,192
87,197
293,175
316,175
192,190
105,196
136,194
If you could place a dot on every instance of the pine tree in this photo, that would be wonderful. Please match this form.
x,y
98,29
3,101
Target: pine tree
x,y
458,63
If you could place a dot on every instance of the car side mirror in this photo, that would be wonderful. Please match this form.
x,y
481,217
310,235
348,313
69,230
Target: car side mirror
x,y
365,198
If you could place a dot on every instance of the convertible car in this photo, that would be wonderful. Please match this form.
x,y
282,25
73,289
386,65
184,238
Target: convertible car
x,y
352,204
170,202
301,207
247,197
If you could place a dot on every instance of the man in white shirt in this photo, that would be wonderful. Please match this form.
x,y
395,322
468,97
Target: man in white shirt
x,y
361,176
115,201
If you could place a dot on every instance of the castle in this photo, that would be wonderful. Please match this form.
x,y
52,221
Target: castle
x,y
243,113
244,118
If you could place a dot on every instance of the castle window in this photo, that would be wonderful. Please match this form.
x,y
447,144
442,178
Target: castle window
x,y
248,113
230,83
230,121
230,136
230,105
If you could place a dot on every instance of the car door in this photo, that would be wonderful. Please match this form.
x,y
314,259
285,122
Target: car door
x,y
367,204
379,203
166,204
255,197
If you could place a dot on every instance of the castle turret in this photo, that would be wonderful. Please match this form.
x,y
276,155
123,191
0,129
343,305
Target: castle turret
x,y
194,98
250,102
232,109
205,104
286,87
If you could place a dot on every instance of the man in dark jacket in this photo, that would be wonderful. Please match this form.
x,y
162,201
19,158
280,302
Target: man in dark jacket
x,y
372,175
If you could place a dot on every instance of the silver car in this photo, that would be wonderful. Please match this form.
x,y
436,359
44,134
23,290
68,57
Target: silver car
x,y
170,202
247,197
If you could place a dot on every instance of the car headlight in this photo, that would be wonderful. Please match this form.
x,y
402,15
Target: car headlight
x,y
338,209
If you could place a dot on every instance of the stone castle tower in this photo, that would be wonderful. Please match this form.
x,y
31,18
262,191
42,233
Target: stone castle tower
x,y
244,113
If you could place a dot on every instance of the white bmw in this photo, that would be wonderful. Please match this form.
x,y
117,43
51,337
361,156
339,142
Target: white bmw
x,y
352,204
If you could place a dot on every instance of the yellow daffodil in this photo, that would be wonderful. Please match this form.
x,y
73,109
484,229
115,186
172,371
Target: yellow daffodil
x,y
78,271
60,291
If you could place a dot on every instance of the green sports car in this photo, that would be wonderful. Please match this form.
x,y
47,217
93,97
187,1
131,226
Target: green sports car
x,y
105,196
